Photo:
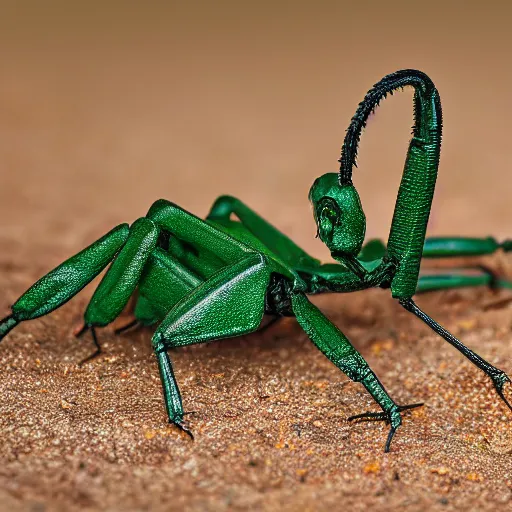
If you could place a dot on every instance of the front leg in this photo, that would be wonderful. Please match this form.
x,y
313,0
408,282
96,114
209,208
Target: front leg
x,y
343,277
338,349
381,275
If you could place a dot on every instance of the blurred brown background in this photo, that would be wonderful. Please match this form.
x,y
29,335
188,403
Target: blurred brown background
x,y
107,106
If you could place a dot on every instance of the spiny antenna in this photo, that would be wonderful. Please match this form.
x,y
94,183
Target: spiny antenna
x,y
424,90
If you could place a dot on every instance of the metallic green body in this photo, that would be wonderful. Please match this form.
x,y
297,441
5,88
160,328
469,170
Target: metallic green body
x,y
201,280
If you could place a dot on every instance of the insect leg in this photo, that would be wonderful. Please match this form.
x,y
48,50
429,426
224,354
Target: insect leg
x,y
461,247
66,280
172,395
97,345
460,278
278,242
165,281
452,247
195,231
338,349
122,277
230,303
442,247
498,377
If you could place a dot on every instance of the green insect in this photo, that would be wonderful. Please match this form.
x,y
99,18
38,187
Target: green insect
x,y
203,280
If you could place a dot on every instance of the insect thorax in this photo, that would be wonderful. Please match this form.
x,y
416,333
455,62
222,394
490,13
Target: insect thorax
x,y
277,300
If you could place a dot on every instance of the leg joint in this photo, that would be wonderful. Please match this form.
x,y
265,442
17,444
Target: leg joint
x,y
406,303
158,343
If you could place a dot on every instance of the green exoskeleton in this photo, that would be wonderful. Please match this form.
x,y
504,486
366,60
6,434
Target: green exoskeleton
x,y
201,280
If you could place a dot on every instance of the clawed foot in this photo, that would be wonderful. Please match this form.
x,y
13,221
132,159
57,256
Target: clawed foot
x,y
80,332
499,380
382,416
392,417
183,426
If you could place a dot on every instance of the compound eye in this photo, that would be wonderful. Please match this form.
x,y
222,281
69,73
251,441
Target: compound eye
x,y
329,211
329,216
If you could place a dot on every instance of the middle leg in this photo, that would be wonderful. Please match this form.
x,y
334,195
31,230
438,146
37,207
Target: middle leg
x,y
230,303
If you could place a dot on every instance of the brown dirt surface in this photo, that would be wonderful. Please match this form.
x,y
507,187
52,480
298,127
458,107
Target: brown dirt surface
x,y
102,111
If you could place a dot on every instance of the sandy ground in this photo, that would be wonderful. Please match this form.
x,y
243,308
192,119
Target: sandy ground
x,y
104,111
270,421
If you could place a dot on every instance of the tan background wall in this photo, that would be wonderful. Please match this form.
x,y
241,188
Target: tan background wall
x,y
103,109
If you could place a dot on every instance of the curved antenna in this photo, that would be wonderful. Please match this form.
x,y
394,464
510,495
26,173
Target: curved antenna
x,y
427,115
414,199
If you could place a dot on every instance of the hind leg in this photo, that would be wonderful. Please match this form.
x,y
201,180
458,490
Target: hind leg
x,y
461,278
453,247
121,279
65,281
165,281
499,377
